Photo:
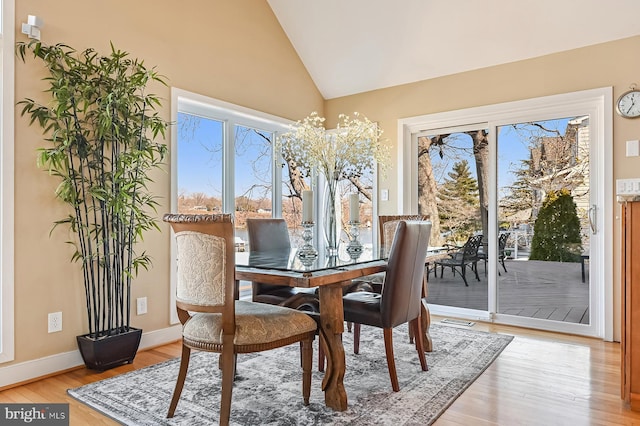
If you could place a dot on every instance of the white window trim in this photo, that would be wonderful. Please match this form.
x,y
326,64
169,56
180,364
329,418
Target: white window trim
x,y
7,325
599,104
194,103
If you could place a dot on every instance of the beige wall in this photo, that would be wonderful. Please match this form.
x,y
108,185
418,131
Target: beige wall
x,y
615,64
235,51
231,50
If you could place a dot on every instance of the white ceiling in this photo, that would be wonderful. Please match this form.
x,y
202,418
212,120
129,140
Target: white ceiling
x,y
353,46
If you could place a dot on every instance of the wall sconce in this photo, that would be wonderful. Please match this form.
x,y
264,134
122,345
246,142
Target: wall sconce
x,y
32,27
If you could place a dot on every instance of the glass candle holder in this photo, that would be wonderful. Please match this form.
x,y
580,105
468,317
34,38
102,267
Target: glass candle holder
x,y
307,253
355,247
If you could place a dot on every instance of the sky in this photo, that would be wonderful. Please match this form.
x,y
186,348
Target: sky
x,y
513,147
200,155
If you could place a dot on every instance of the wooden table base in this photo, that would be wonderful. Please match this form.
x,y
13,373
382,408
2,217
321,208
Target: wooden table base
x,y
331,328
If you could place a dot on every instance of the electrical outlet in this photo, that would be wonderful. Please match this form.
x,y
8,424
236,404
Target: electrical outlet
x,y
141,305
55,322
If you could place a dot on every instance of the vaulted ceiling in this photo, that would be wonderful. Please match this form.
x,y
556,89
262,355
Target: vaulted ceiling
x,y
353,46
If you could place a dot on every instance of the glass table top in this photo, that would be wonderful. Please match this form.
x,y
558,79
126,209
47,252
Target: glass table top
x,y
288,260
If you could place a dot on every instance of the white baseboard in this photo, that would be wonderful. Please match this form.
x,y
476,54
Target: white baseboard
x,y
33,369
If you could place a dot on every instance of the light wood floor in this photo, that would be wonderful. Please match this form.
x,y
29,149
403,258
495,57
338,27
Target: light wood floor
x,y
541,378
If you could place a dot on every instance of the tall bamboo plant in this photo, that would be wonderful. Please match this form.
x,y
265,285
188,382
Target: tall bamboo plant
x,y
101,126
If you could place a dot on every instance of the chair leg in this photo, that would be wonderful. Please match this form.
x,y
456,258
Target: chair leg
x,y
356,338
228,373
391,363
307,360
505,268
475,269
349,325
416,325
182,374
464,276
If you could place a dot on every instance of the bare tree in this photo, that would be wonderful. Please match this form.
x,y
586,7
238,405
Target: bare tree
x,y
442,145
427,185
481,154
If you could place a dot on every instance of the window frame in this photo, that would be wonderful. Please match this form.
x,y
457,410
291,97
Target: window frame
x,y
7,325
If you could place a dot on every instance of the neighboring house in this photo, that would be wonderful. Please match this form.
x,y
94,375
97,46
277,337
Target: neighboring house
x,y
563,162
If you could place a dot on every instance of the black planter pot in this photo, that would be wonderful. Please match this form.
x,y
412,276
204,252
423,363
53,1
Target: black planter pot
x,y
109,351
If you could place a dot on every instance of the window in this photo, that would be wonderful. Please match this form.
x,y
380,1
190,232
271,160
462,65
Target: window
x,y
224,161
6,181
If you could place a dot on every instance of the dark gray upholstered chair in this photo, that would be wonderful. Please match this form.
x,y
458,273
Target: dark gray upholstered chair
x,y
212,320
400,299
272,235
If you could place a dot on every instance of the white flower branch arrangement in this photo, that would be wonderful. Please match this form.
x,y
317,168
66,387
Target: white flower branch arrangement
x,y
354,147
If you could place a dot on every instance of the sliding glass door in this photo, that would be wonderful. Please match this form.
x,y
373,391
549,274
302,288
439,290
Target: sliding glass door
x,y
529,178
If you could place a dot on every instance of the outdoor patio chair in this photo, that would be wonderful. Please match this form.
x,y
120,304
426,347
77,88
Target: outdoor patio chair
x,y
213,321
502,243
466,256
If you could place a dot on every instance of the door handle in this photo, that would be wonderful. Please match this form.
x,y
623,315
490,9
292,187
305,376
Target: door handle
x,y
592,218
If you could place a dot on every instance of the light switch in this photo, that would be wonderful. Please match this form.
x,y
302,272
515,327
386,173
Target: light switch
x,y
384,195
633,148
628,186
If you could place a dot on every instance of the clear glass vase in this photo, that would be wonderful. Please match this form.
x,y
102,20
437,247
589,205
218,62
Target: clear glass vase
x,y
330,220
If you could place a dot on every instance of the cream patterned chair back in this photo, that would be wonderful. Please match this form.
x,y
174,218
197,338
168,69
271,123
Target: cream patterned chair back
x,y
206,262
201,268
388,225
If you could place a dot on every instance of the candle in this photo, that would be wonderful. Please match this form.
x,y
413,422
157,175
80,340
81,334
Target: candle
x,y
354,208
307,206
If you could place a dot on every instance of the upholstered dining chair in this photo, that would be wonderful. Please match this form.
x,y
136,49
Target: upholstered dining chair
x,y
212,320
387,225
401,296
272,235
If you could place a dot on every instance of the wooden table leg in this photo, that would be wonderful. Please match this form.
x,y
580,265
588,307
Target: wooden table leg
x,y
331,328
426,317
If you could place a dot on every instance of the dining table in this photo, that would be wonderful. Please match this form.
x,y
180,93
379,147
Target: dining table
x,y
328,274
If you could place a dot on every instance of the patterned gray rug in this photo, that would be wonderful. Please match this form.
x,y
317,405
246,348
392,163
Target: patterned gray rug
x,y
268,387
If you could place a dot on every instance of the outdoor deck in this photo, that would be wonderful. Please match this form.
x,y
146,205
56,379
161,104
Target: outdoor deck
x,y
535,289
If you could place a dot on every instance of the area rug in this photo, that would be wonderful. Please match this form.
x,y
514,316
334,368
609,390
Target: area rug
x,y
268,386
